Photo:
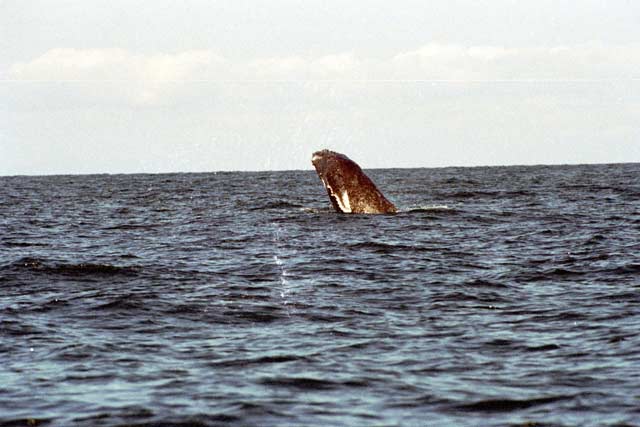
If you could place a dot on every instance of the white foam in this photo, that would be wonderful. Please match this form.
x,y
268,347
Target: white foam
x,y
435,208
429,208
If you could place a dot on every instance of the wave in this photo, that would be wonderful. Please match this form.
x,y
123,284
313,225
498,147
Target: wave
x,y
141,416
278,204
308,383
384,248
36,265
430,209
508,405
23,244
125,303
132,227
258,361
473,194
19,422
440,209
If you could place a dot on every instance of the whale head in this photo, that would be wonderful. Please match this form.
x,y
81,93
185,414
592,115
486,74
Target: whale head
x,y
349,189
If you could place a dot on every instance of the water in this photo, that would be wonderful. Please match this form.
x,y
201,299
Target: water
x,y
499,296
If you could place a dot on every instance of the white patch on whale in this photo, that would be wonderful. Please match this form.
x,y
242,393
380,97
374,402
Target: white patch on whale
x,y
342,200
345,205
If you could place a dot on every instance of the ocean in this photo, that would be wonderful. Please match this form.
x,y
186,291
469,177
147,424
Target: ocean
x,y
498,296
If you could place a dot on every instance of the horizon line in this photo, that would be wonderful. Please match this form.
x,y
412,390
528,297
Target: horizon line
x,y
516,80
311,169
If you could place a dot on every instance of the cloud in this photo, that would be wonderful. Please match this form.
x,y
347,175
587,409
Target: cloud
x,y
438,61
114,64
141,79
162,78
343,66
456,62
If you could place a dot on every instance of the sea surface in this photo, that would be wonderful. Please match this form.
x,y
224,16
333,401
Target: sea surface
x,y
499,296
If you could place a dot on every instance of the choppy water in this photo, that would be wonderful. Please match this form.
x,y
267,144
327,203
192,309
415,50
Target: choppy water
x,y
500,296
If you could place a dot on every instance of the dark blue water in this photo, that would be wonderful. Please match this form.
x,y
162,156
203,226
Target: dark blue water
x,y
504,296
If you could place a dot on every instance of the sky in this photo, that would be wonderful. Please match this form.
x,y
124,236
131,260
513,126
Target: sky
x,y
150,86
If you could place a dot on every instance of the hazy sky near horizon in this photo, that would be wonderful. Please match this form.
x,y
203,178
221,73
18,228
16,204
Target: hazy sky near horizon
x,y
125,86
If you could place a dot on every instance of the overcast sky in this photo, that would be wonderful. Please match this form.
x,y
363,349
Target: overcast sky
x,y
93,86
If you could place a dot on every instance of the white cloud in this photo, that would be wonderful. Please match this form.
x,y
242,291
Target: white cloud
x,y
457,62
141,78
341,64
275,68
114,64
433,60
159,79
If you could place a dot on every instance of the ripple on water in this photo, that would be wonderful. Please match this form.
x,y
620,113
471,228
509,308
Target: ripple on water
x,y
499,296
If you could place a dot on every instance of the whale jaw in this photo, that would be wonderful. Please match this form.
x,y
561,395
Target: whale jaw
x,y
350,190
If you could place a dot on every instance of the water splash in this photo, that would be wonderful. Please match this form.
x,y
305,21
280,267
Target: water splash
x,y
281,266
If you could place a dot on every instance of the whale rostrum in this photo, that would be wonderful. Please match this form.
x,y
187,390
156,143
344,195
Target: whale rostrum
x,y
349,189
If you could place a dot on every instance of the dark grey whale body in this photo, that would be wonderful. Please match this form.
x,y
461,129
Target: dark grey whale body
x,y
349,189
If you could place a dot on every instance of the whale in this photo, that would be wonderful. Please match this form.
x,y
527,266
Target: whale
x,y
350,190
